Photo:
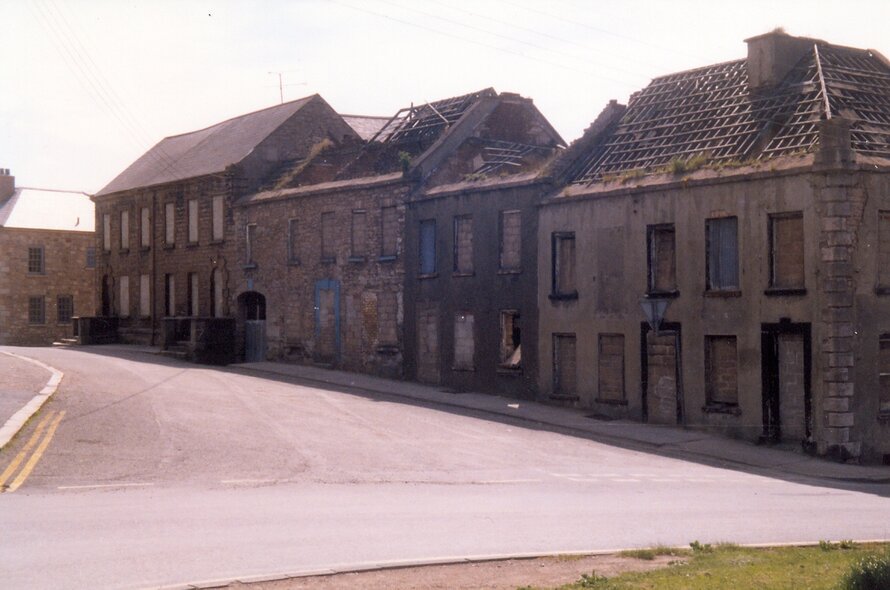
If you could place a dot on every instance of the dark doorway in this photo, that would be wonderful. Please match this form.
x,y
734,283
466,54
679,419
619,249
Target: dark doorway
x,y
252,311
661,377
785,369
106,296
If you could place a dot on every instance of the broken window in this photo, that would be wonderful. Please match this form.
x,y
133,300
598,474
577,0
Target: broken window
x,y
884,374
389,232
884,251
564,286
722,254
193,221
106,232
217,212
328,249
170,223
721,371
36,310
36,260
293,244
144,296
125,230
124,303
144,228
565,365
359,234
463,245
464,343
64,308
250,244
427,240
611,367
786,256
511,240
511,339
662,258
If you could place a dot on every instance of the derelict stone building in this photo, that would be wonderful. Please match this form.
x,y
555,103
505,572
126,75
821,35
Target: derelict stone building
x,y
751,199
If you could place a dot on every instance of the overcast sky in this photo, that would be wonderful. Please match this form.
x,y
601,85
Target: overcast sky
x,y
87,86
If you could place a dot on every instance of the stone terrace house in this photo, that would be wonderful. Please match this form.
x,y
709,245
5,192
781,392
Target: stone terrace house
x,y
326,257
752,200
166,234
47,262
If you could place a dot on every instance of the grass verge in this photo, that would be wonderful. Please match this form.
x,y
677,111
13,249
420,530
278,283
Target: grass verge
x,y
821,567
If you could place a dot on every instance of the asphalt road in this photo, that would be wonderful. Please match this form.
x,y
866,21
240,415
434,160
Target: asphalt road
x,y
161,473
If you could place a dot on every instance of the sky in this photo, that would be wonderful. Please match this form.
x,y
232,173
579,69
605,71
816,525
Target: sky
x,y
87,86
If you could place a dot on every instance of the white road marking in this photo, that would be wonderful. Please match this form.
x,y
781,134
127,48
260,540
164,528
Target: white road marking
x,y
248,481
492,481
626,480
106,485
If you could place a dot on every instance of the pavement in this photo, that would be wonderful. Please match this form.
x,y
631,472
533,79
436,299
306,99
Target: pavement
x,y
665,440
26,385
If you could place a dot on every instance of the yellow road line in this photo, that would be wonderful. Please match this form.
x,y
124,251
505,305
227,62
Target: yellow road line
x,y
32,462
10,469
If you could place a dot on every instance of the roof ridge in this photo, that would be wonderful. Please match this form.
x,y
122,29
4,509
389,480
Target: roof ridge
x,y
235,118
52,190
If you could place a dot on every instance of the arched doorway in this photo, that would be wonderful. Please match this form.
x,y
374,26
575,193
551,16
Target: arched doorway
x,y
252,312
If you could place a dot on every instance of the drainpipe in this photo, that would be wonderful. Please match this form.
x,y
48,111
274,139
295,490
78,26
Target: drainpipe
x,y
154,268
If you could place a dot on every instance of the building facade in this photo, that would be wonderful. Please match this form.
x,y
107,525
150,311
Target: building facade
x,y
47,262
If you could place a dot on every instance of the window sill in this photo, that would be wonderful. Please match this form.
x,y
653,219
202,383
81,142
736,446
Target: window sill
x,y
192,245
294,262
723,294
388,349
357,259
509,271
249,265
611,402
658,294
386,258
432,275
329,260
216,242
563,296
783,292
144,248
36,274
169,246
123,251
715,408
463,274
884,416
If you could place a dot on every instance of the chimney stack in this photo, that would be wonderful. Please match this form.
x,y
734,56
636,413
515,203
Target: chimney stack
x,y
773,55
7,184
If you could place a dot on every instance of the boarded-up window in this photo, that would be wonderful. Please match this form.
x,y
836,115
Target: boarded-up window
x,y
169,295
328,249
193,294
427,240
564,264
170,223
387,318
106,232
125,230
124,303
144,296
144,228
884,374
722,254
193,221
511,339
884,249
611,367
217,212
293,244
36,310
216,293
511,240
65,308
721,370
786,251
662,258
389,231
359,236
250,244
464,343
565,365
463,245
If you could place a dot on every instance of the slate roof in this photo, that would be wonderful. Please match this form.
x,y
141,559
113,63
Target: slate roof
x,y
366,126
712,111
206,151
34,208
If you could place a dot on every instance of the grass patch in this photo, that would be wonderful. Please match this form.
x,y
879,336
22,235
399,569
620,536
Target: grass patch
x,y
650,553
711,567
